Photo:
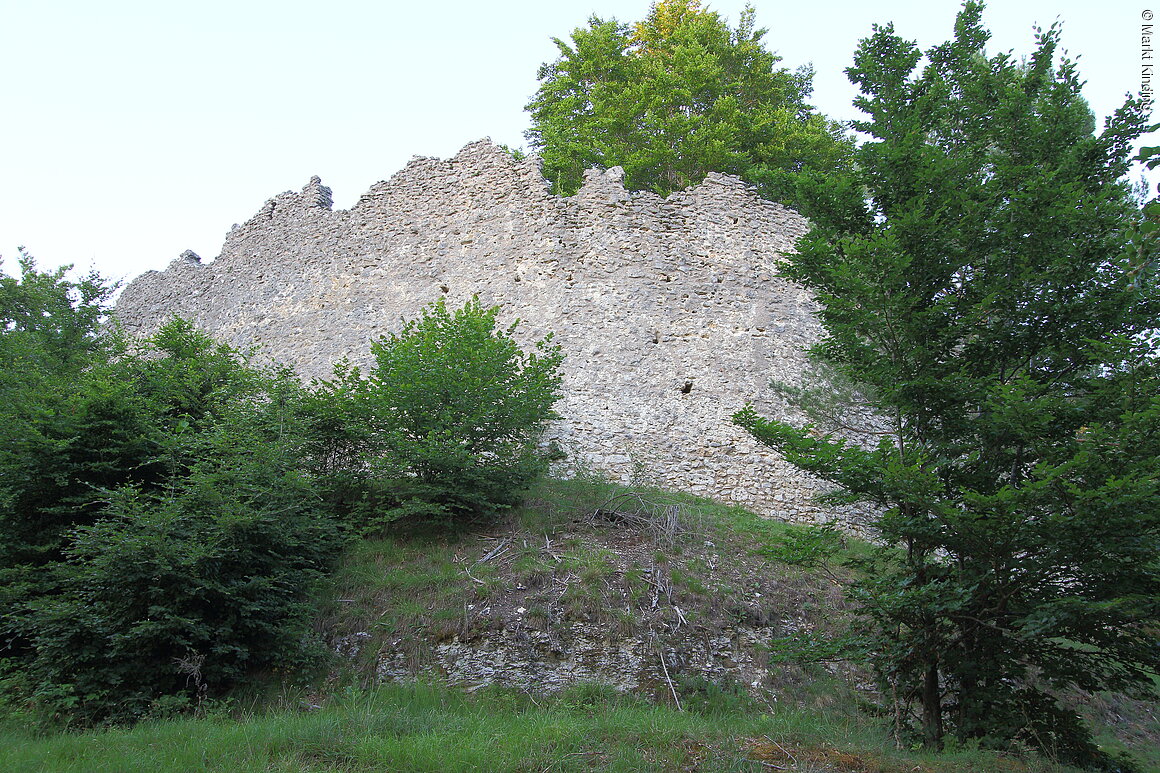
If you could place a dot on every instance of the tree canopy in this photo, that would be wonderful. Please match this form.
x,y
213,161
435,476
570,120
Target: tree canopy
x,y
975,275
673,97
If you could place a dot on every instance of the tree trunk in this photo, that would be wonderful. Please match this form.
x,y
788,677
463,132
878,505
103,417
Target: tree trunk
x,y
932,729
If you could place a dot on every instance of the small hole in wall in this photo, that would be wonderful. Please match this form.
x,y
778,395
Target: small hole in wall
x,y
688,387
443,289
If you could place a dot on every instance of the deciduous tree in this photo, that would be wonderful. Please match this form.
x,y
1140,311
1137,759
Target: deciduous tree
x,y
674,97
157,538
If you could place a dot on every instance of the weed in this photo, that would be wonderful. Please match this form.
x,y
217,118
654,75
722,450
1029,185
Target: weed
x,y
588,695
714,698
689,581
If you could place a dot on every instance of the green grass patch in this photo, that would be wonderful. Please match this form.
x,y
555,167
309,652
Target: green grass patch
x,y
427,728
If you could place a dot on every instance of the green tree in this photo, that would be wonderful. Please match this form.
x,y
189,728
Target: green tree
x,y
446,425
974,277
50,321
1144,264
59,442
674,97
157,535
179,593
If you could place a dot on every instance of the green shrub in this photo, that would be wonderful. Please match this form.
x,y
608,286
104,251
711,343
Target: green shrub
x,y
185,593
445,426
157,538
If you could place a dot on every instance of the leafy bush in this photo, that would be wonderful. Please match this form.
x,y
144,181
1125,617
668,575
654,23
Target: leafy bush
x,y
67,423
161,516
186,591
446,425
157,539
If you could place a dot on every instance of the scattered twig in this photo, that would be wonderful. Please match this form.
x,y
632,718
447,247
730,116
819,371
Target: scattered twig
x,y
467,570
190,665
634,509
497,550
665,668
783,749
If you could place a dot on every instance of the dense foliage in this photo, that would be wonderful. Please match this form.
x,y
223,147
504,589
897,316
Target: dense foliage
x,y
977,279
1143,261
163,502
181,591
58,443
156,540
446,424
674,97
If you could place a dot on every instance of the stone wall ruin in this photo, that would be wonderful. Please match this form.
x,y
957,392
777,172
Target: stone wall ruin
x,y
668,310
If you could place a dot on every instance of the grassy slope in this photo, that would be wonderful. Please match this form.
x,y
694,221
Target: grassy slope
x,y
660,567
416,587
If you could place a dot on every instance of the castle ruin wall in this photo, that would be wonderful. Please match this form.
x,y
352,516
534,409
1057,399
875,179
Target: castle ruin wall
x,y
669,311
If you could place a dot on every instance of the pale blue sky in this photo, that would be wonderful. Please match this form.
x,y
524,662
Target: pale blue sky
x,y
135,130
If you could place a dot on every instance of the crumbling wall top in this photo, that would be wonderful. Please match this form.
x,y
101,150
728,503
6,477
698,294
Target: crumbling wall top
x,y
669,310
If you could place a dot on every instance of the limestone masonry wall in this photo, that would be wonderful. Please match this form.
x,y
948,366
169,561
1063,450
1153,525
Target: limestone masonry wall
x,y
668,310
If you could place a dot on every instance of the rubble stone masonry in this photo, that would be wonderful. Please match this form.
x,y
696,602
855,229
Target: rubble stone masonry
x,y
669,311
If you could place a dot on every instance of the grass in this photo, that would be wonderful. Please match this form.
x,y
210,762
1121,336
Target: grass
x,y
578,552
1136,722
429,728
